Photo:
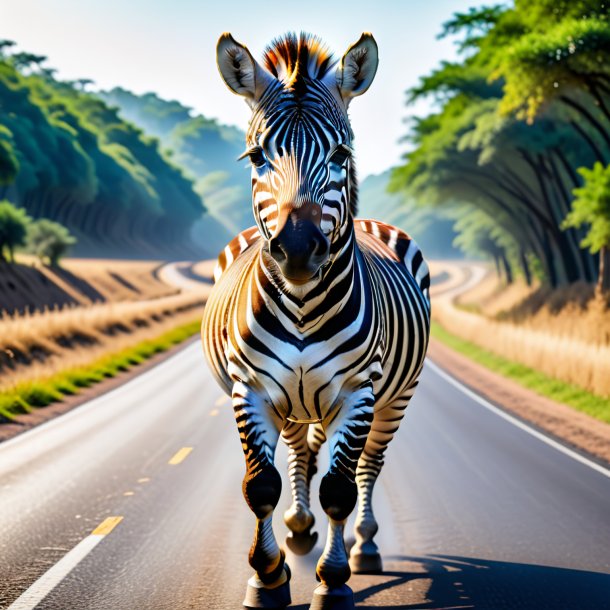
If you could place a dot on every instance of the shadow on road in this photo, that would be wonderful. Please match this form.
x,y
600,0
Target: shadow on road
x,y
464,583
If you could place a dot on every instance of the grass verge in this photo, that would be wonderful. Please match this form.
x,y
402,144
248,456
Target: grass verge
x,y
26,396
557,390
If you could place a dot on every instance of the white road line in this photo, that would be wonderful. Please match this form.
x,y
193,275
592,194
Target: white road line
x,y
30,598
516,422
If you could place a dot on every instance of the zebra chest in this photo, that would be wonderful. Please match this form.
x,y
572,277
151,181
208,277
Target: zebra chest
x,y
303,383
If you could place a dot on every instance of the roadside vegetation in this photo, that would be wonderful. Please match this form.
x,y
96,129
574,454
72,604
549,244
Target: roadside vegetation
x,y
19,397
529,377
37,344
541,346
518,146
517,151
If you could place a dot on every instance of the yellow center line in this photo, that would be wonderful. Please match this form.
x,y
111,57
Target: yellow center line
x,y
180,456
214,412
106,526
224,399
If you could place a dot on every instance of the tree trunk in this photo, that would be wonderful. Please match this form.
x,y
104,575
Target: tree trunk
x,y
525,266
588,116
603,280
508,272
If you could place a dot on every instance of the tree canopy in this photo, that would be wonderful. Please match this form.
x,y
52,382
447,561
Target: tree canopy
x,y
514,119
67,156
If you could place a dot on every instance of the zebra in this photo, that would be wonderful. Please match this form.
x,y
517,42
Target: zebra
x,y
318,323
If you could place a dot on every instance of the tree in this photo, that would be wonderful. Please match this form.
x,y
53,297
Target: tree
x,y
591,206
49,240
527,105
24,61
67,156
9,164
13,229
6,44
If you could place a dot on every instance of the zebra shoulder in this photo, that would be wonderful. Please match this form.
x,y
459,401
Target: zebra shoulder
x,y
399,244
234,248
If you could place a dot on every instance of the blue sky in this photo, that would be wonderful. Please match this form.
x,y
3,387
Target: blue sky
x,y
169,47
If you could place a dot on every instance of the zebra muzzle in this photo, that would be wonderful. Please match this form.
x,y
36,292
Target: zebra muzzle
x,y
299,249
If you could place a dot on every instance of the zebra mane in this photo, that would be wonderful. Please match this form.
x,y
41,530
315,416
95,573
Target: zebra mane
x,y
293,58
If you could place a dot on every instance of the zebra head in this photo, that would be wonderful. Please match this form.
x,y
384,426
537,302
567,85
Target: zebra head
x,y
299,143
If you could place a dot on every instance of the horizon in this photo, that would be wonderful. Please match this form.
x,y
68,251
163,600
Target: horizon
x,y
137,62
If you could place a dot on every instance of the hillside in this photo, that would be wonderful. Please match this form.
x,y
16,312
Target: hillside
x,y
66,155
28,286
206,150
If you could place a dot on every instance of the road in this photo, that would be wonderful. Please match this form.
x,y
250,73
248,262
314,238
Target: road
x,y
475,512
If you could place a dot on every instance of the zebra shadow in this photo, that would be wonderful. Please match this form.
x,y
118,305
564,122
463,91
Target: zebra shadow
x,y
446,582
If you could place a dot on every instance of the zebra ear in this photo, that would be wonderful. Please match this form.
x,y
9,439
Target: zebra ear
x,y
358,67
239,70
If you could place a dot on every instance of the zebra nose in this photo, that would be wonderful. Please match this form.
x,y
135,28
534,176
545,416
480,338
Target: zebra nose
x,y
299,249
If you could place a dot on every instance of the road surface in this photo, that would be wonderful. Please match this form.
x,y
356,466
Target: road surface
x,y
475,511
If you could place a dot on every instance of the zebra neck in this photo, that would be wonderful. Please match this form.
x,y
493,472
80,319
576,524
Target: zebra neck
x,y
307,308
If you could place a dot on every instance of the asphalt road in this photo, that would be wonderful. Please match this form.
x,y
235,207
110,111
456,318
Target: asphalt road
x,y
475,512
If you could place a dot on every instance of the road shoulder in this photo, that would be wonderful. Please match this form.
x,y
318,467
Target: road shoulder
x,y
577,430
40,415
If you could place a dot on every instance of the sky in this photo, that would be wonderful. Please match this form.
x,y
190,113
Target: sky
x,y
169,47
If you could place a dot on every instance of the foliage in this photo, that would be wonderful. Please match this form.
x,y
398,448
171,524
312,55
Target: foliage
x,y
206,150
431,228
591,206
525,107
49,240
13,229
25,396
67,156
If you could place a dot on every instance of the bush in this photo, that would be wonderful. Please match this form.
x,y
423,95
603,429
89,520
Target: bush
x,y
49,240
14,224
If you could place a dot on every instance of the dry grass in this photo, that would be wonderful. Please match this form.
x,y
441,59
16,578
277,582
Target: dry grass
x,y
79,282
121,280
70,358
564,334
40,343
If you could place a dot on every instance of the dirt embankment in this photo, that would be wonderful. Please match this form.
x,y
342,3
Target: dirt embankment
x,y
97,306
29,286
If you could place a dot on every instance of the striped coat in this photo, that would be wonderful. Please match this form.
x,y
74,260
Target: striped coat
x,y
303,354
318,322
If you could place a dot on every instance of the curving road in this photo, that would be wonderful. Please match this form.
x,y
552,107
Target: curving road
x,y
476,510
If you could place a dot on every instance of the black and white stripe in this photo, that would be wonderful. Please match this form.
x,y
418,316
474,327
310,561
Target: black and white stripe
x,y
337,357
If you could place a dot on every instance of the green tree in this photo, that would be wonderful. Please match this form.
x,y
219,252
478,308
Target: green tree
x,y
49,240
591,206
9,165
5,44
524,108
13,229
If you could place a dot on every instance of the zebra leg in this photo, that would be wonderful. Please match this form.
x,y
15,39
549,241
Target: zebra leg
x,y
338,495
364,555
299,517
259,430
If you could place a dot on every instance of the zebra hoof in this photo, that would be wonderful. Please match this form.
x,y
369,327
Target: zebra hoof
x,y
332,598
271,597
301,543
365,563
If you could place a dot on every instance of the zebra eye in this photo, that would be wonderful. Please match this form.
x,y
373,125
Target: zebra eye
x,y
341,154
256,156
